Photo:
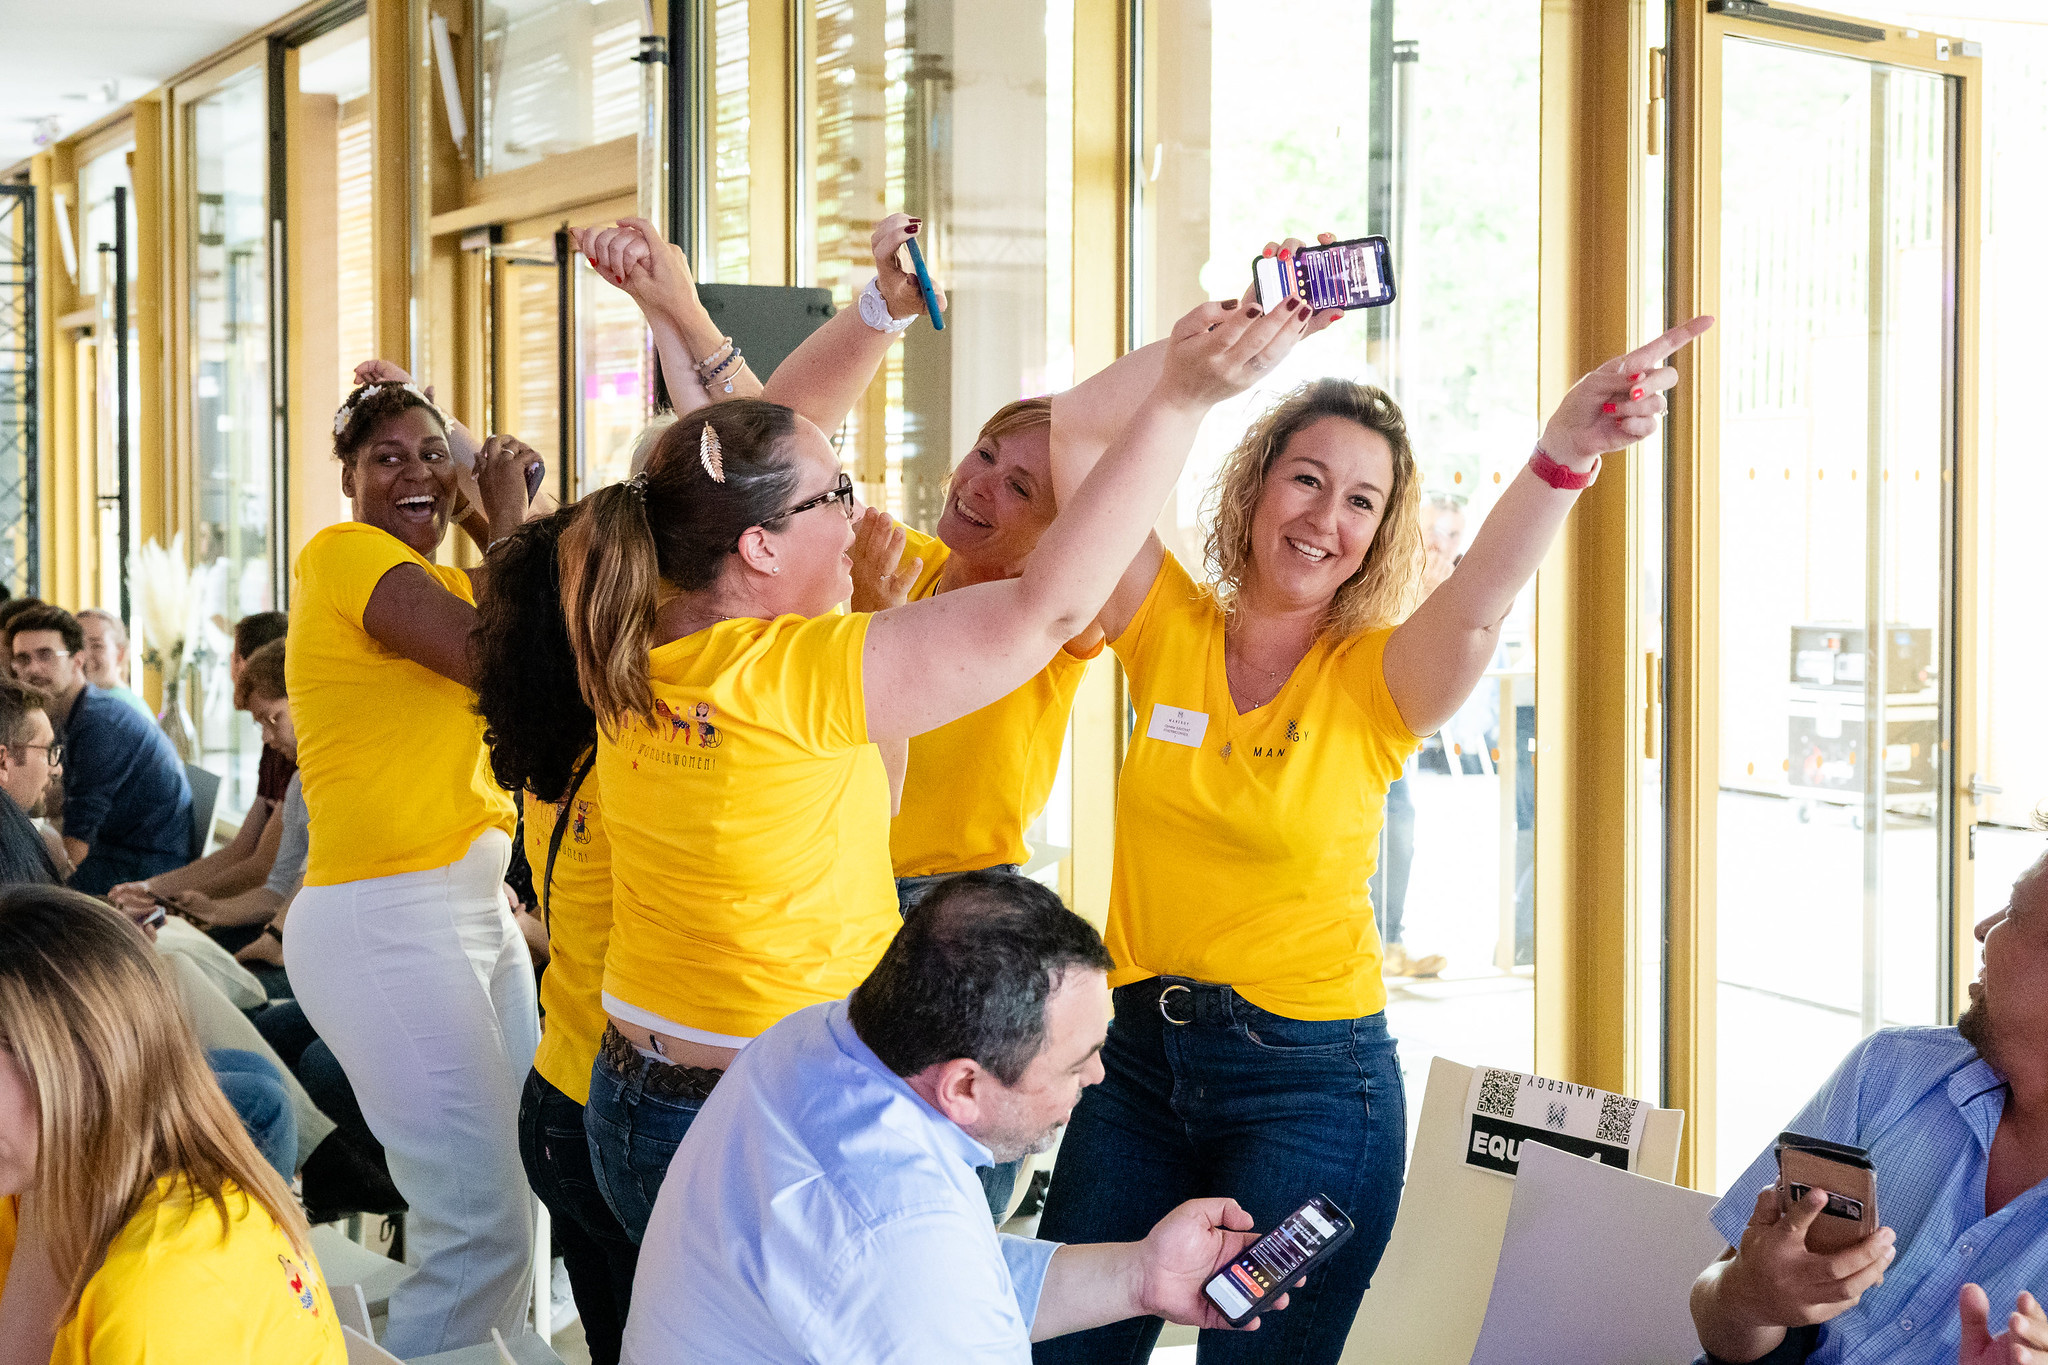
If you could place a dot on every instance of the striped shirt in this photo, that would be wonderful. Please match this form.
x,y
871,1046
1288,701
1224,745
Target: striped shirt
x,y
1925,1105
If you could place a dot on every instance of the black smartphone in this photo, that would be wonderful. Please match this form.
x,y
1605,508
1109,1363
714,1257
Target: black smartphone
x,y
1354,274
535,472
1303,1240
156,916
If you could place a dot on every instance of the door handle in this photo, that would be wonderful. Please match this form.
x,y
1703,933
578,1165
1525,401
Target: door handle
x,y
1979,789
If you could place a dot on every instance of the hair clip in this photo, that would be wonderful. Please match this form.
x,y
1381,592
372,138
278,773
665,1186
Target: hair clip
x,y
637,485
711,454
348,404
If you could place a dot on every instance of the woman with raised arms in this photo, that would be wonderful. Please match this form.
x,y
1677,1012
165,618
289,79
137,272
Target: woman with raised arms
x,y
1275,702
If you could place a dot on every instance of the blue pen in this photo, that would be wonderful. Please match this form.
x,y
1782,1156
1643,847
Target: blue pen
x,y
924,282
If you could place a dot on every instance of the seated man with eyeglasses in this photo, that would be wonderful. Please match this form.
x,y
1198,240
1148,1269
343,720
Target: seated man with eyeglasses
x,y
127,811
31,758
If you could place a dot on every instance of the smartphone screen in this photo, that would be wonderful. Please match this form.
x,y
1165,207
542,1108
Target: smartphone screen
x,y
1354,274
1266,1267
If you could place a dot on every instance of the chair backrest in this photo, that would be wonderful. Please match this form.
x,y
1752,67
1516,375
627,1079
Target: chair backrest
x,y
205,796
1428,1298
363,1351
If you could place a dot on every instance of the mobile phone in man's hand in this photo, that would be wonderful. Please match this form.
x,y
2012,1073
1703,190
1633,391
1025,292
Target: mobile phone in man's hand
x,y
1261,1273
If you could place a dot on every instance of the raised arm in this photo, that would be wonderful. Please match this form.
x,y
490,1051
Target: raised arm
x,y
1436,657
935,660
655,274
825,376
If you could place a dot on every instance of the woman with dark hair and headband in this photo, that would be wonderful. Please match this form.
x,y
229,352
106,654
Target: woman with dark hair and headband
x,y
402,951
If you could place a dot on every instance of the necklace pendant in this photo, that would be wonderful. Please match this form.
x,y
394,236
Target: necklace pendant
x,y
1224,752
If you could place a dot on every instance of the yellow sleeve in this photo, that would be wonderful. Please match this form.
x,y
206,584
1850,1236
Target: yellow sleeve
x,y
930,549
10,1214
1171,579
1361,666
345,563
807,683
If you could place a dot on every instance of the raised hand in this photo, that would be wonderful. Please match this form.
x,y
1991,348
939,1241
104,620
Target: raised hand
x,y
1779,1283
1618,404
1220,349
635,257
1184,1251
893,274
2023,1342
881,577
384,372
1312,322
501,481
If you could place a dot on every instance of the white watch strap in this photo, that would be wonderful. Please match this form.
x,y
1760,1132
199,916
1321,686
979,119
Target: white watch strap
x,y
874,310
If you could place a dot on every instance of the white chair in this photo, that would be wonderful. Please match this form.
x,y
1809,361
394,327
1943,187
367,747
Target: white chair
x,y
352,1269
363,1351
525,1349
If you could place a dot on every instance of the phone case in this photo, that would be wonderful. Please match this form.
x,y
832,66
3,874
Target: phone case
x,y
1344,1229
1291,273
1845,1173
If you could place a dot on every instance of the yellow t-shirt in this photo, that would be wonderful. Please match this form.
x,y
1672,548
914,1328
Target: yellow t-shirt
x,y
749,828
391,754
174,1291
1242,857
974,785
579,919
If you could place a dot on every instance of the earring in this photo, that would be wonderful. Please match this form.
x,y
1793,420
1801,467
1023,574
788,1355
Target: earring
x,y
776,569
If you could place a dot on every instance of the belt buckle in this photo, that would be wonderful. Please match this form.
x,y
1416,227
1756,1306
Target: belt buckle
x,y
1167,1014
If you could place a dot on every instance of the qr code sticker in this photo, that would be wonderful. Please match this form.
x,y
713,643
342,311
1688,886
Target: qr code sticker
x,y
1497,1093
1617,1118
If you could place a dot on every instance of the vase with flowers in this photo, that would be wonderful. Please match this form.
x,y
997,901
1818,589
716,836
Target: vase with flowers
x,y
163,624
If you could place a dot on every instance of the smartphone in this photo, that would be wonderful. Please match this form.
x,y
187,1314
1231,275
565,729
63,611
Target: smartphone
x,y
1354,274
156,917
1304,1240
1847,1175
535,472
924,284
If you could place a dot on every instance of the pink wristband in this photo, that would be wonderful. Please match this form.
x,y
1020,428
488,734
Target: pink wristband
x,y
1561,477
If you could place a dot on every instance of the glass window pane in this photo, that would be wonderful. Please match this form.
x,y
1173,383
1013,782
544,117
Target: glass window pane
x,y
612,367
1832,291
230,542
1237,147
557,75
528,341
732,130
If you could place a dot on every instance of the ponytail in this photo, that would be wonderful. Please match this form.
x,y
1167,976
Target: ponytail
x,y
611,584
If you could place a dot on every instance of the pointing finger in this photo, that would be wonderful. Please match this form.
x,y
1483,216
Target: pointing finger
x,y
1653,355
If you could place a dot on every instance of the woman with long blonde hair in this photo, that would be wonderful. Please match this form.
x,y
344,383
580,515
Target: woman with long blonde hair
x,y
1276,699
138,1222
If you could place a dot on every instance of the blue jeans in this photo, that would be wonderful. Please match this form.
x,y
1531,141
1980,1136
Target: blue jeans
x,y
997,1182
598,1255
1233,1100
257,1093
632,1135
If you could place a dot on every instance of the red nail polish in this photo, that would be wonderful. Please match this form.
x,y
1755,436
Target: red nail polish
x,y
1230,303
1635,394
1607,407
1287,254
912,229
1252,311
1269,249
1634,378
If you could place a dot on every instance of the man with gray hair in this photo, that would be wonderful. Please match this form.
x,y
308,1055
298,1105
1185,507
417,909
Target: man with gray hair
x,y
104,659
824,1205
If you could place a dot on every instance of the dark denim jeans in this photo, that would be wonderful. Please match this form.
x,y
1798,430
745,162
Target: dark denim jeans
x,y
596,1251
1240,1102
997,1182
632,1135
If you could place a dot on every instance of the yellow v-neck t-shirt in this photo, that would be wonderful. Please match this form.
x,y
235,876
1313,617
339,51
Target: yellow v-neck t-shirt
x,y
579,924
391,754
974,785
1244,842
177,1290
749,828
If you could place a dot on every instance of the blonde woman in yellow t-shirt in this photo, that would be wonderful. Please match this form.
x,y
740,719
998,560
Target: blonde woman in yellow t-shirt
x,y
739,716
1274,704
138,1223
401,948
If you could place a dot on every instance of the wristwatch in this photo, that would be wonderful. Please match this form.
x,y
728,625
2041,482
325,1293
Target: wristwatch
x,y
874,311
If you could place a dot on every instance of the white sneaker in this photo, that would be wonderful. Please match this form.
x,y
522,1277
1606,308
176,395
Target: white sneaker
x,y
561,1301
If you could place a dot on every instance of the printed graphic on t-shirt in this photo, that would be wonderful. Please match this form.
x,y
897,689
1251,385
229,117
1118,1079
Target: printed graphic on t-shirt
x,y
685,725
301,1284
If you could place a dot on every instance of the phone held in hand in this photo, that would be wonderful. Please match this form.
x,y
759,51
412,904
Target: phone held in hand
x,y
1845,1173
1354,274
1250,1282
535,472
156,916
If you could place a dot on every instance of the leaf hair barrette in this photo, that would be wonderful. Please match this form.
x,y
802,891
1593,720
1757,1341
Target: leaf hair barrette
x,y
711,454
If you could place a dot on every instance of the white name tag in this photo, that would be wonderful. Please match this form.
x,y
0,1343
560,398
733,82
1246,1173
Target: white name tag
x,y
1177,725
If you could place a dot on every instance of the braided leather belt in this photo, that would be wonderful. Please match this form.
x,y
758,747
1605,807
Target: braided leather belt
x,y
665,1079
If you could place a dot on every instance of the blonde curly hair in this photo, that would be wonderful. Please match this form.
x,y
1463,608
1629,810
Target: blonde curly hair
x,y
1383,591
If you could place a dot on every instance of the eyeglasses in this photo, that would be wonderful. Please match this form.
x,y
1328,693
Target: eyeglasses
x,y
44,656
55,750
841,493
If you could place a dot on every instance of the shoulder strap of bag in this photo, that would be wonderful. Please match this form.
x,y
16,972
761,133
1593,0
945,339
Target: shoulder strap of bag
x,y
562,820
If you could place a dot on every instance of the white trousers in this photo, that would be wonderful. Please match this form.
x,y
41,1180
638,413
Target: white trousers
x,y
422,985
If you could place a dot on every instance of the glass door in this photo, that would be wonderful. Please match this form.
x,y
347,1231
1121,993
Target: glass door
x,y
1825,448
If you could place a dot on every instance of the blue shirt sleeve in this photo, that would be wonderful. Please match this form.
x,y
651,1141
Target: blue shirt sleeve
x,y
1028,1259
924,1288
1833,1113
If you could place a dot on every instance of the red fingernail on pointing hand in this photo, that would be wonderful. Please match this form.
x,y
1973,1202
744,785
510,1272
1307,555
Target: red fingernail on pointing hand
x,y
1607,407
1635,393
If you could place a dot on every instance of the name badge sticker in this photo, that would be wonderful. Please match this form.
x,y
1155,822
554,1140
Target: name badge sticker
x,y
1177,725
1504,1109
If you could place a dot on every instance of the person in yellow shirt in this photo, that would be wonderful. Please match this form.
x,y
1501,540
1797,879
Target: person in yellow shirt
x,y
542,740
739,716
1274,705
402,951
138,1223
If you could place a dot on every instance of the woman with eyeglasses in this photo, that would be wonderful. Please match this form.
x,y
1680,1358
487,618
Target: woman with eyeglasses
x,y
739,717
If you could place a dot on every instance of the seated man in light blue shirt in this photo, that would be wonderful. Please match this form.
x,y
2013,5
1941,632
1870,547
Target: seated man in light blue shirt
x,y
1956,1124
824,1206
